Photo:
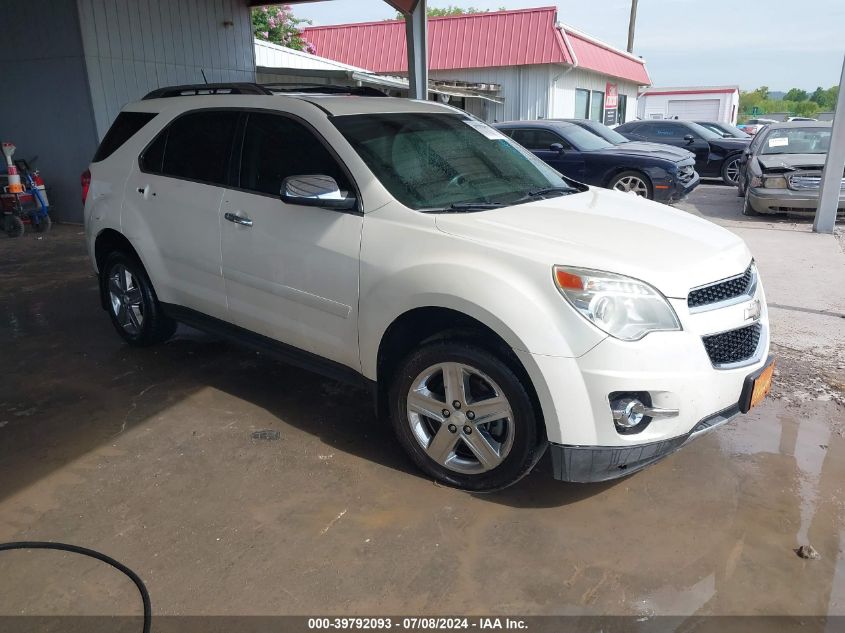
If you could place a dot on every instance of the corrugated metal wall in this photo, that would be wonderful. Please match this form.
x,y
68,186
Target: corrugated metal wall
x,y
134,46
45,106
525,90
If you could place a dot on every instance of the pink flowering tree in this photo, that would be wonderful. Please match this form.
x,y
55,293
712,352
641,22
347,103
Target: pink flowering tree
x,y
276,23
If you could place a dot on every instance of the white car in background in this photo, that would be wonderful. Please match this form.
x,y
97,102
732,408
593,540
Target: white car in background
x,y
752,126
495,308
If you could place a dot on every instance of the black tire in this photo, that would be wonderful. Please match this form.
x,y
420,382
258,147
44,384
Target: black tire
x,y
528,441
13,226
154,326
633,174
746,207
733,159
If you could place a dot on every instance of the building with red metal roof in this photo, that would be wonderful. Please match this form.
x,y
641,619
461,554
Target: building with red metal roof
x,y
531,65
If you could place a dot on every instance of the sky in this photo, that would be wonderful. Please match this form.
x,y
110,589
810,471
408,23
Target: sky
x,y
781,44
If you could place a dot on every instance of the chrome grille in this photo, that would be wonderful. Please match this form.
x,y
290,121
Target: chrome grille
x,y
805,182
722,290
733,346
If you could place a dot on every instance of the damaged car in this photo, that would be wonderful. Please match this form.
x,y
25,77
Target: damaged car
x,y
781,170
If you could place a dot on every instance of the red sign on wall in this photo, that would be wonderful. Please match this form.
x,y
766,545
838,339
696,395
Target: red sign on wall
x,y
611,96
611,101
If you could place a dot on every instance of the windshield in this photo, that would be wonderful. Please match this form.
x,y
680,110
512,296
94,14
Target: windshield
x,y
611,136
431,161
797,140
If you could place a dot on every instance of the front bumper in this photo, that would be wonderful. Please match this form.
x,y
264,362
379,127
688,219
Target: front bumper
x,y
775,201
674,190
588,464
673,368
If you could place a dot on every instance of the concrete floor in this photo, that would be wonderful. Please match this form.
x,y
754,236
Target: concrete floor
x,y
147,455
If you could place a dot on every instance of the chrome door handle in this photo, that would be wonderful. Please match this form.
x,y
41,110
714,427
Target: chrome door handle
x,y
238,219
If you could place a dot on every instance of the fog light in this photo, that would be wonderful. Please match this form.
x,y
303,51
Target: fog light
x,y
628,412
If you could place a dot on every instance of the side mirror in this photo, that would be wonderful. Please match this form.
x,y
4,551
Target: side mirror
x,y
556,147
689,138
315,190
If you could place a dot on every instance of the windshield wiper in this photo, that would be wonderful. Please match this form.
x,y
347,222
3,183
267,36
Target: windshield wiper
x,y
539,193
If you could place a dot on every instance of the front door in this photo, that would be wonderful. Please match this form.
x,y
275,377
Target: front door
x,y
291,271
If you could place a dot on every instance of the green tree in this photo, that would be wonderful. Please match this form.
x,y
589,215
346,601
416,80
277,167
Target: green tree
x,y
434,12
795,94
276,23
832,97
819,96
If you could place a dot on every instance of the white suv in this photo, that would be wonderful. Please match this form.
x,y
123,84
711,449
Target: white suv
x,y
494,307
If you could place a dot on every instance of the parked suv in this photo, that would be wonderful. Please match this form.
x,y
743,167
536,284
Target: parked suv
x,y
495,308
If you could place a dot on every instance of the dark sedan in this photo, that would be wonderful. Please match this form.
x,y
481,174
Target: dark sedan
x,y
655,172
726,130
715,156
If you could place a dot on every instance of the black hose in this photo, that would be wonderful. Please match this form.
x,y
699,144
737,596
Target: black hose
x,y
64,547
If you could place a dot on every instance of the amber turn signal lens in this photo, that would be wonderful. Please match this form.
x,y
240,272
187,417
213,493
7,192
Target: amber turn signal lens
x,y
568,280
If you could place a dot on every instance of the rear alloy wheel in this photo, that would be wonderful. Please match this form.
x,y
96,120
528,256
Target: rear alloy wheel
x,y
132,305
632,182
730,170
464,417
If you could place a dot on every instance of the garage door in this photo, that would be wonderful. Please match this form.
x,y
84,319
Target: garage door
x,y
694,109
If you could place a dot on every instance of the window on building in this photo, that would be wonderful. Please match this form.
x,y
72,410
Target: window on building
x,y
276,147
597,106
621,108
582,104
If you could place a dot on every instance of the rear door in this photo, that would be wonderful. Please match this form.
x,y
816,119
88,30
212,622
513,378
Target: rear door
x,y
291,271
171,208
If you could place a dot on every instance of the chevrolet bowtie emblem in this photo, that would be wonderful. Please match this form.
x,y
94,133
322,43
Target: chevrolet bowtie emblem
x,y
753,310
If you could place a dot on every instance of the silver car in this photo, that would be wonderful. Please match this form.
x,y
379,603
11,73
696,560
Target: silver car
x,y
781,169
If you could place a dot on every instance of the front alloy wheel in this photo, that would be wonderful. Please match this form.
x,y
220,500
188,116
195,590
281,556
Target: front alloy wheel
x,y
460,417
464,416
631,182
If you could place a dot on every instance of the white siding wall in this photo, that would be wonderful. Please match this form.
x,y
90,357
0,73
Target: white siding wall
x,y
654,105
525,90
134,46
563,93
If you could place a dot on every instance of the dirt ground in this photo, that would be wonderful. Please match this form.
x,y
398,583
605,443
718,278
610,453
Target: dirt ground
x,y
148,455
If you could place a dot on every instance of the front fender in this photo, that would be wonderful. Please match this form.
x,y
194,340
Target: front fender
x,y
509,293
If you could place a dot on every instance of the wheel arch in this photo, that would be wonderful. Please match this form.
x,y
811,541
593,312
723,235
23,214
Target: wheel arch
x,y
425,324
108,241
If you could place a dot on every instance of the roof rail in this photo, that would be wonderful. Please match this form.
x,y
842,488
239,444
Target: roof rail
x,y
189,90
326,89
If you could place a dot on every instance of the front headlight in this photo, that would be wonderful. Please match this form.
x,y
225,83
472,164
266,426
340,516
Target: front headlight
x,y
625,308
778,182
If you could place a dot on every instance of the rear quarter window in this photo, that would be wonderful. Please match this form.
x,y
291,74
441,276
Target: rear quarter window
x,y
125,126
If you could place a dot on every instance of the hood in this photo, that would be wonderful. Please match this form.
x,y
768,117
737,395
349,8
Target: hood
x,y
791,161
610,231
650,150
731,144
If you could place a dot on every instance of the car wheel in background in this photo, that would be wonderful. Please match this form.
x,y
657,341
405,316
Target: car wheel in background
x,y
131,302
464,417
632,181
730,170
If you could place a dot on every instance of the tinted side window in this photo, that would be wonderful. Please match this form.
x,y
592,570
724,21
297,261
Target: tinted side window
x,y
199,145
125,126
665,130
536,139
276,147
153,156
